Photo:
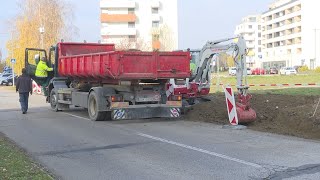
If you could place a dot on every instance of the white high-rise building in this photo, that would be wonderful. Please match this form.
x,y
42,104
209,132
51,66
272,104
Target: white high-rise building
x,y
142,24
290,34
250,29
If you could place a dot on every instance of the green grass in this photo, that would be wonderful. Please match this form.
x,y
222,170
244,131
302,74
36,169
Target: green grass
x,y
291,91
270,79
14,164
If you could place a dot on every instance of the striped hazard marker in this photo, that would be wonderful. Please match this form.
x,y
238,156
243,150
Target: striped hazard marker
x,y
231,105
36,88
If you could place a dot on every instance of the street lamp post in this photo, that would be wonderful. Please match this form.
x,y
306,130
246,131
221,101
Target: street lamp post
x,y
315,48
13,61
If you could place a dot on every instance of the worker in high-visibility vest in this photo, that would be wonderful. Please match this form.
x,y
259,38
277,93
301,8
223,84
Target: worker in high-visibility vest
x,y
193,67
42,74
42,69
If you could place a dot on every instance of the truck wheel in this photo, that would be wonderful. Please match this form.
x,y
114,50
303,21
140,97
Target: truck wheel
x,y
54,100
94,114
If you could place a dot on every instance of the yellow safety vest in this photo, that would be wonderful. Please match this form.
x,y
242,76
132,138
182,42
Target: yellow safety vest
x,y
42,69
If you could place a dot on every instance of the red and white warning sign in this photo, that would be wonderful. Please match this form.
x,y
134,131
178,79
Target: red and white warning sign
x,y
36,88
231,105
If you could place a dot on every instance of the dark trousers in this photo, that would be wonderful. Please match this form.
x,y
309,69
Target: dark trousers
x,y
24,98
43,82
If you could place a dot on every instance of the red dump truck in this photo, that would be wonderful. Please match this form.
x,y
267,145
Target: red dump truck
x,y
112,84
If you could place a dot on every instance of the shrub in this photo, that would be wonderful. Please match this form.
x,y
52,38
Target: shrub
x,y
317,70
303,69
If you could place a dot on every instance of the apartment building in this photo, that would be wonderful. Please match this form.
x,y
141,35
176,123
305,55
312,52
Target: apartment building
x,y
153,23
290,34
250,29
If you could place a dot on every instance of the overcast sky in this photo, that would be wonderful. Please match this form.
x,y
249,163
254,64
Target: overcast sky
x,y
199,20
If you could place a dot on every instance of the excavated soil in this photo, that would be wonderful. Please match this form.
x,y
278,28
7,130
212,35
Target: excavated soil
x,y
280,114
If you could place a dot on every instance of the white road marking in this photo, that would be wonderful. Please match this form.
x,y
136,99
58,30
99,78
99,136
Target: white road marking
x,y
77,116
188,147
201,150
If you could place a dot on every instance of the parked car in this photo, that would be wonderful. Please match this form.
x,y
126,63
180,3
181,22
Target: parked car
x,y
274,71
258,71
9,80
3,77
232,71
288,71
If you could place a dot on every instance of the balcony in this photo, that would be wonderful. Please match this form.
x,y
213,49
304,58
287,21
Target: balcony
x,y
155,4
297,8
299,50
155,17
289,21
297,40
118,31
107,4
289,11
290,42
118,18
269,27
297,29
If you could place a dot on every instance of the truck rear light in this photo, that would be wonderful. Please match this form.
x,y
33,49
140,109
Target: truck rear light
x,y
176,98
116,98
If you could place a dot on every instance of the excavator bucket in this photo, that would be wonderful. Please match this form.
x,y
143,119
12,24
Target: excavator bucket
x,y
245,113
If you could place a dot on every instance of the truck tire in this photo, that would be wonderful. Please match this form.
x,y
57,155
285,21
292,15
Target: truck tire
x,y
93,112
54,100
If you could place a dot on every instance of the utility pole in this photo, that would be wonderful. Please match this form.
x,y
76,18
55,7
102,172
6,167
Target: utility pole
x,y
315,48
12,57
41,29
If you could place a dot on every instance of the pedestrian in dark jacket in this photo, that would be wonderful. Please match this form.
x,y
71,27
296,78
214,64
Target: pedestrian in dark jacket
x,y
24,87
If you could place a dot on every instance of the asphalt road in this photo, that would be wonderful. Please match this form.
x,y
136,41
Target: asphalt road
x,y
73,147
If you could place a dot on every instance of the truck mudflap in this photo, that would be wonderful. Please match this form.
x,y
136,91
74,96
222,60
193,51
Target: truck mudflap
x,y
145,113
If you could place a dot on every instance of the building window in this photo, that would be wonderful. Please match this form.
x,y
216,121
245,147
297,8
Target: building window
x,y
250,26
155,24
131,24
131,11
259,27
155,10
252,19
259,34
259,49
259,42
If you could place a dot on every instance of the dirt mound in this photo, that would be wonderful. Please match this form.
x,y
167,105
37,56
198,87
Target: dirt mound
x,y
281,114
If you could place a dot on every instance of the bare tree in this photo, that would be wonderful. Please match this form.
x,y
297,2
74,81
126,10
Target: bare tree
x,y
164,35
127,43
